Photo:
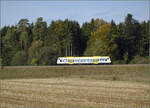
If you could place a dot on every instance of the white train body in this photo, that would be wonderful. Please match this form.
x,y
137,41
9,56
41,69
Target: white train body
x,y
84,60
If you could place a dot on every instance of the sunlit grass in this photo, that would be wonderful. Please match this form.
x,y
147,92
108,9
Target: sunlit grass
x,y
74,93
118,73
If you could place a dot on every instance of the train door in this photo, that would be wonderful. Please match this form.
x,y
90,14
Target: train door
x,y
95,60
70,61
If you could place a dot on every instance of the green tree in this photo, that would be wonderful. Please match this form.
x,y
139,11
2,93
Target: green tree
x,y
23,24
19,59
64,36
87,29
56,36
99,42
3,32
73,37
24,40
131,36
143,45
22,30
114,41
35,52
48,56
103,42
10,45
40,30
121,41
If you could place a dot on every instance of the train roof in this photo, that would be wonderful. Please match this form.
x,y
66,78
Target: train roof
x,y
83,57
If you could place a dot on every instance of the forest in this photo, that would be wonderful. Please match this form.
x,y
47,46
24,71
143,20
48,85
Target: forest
x,y
41,44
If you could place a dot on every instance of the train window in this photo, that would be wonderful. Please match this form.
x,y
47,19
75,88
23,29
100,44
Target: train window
x,y
82,60
85,60
102,59
65,60
91,60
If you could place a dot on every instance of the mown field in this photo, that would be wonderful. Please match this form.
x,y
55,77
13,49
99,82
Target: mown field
x,y
75,87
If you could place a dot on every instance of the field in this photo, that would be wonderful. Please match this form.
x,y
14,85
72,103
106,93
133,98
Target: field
x,y
75,87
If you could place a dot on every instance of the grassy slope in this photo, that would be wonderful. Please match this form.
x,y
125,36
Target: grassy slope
x,y
122,73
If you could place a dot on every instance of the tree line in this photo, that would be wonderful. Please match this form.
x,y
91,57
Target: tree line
x,y
39,44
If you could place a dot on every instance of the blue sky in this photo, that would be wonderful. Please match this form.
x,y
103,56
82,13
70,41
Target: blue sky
x,y
81,11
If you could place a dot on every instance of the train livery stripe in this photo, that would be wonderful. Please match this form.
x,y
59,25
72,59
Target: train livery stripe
x,y
70,61
95,60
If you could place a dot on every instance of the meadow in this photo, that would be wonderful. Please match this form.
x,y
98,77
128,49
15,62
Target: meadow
x,y
120,86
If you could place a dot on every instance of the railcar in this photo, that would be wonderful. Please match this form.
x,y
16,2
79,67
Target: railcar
x,y
84,60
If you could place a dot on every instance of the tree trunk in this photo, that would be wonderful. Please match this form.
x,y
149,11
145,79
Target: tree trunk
x,y
71,49
66,51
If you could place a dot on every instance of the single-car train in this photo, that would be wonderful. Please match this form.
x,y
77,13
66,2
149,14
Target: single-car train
x,y
84,60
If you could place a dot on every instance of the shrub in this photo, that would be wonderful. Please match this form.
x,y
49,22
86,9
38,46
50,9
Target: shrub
x,y
34,62
118,62
139,60
1,63
114,78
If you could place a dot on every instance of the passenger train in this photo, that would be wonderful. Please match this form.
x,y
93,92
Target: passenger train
x,y
84,60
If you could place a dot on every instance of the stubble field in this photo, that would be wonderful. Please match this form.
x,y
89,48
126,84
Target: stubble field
x,y
76,91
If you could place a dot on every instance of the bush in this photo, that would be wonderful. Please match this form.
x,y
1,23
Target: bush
x,y
1,63
48,56
118,62
114,78
139,60
20,58
34,62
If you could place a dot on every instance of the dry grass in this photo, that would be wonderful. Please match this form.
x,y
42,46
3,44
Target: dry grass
x,y
75,87
137,73
73,93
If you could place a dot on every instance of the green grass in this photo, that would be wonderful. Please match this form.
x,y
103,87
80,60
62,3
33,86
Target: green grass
x,y
114,73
